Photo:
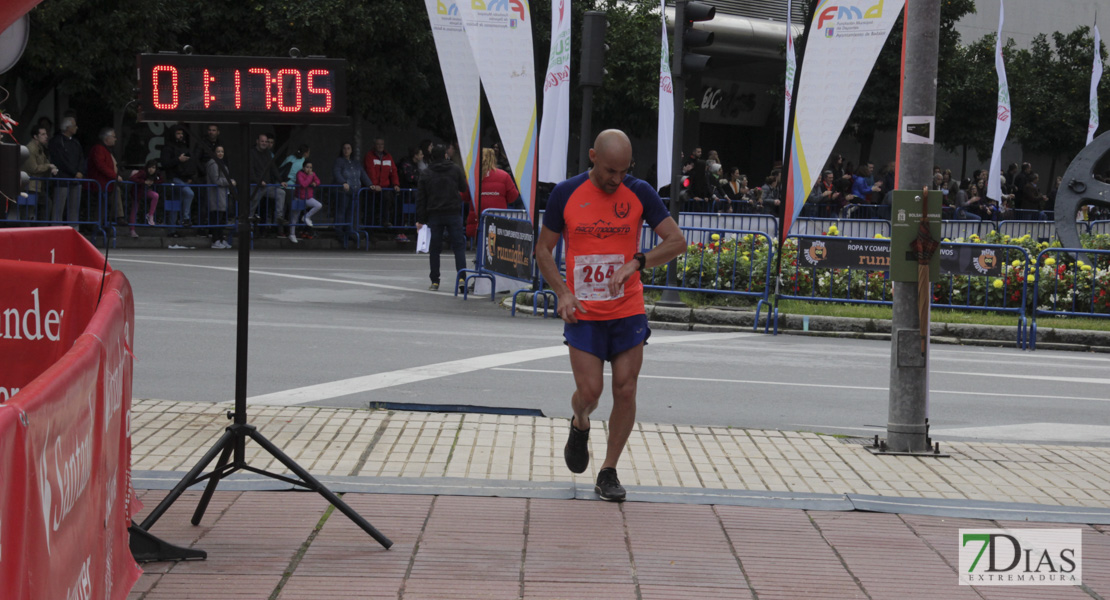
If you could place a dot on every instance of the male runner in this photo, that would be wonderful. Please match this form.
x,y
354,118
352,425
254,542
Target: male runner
x,y
599,214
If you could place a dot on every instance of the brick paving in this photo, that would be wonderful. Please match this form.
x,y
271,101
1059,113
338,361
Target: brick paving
x,y
172,436
288,545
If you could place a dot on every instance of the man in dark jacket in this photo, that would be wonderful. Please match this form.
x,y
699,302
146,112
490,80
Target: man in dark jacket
x,y
439,201
66,153
181,169
265,178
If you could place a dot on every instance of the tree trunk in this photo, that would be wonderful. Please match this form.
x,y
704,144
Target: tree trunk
x,y
963,168
1051,175
865,143
356,122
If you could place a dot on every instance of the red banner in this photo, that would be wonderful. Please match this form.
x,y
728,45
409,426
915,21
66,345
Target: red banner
x,y
65,449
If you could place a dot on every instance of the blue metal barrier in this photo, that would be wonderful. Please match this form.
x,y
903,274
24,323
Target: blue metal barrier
x,y
720,223
848,286
854,228
1097,227
1070,289
60,201
959,228
1012,293
1041,231
726,266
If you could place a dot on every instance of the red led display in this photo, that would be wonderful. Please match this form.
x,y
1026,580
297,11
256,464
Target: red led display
x,y
178,87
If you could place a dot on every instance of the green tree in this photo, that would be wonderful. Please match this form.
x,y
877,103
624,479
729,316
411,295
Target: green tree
x,y
966,100
877,108
85,48
1050,92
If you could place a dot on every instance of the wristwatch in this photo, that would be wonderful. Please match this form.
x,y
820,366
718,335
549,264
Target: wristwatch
x,y
639,256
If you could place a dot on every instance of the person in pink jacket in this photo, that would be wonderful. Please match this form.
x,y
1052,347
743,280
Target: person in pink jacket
x,y
306,190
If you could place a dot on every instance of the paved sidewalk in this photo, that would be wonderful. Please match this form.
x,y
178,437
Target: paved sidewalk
x,y
289,546
481,506
172,436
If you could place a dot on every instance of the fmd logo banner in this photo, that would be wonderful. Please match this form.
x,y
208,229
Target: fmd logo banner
x,y
1021,557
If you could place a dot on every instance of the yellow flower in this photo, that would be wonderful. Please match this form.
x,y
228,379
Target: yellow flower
x,y
879,236
998,284
1080,264
1005,238
1016,263
1030,279
993,232
1049,261
1086,267
715,237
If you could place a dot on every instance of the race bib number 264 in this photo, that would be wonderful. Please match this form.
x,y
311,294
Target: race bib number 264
x,y
591,276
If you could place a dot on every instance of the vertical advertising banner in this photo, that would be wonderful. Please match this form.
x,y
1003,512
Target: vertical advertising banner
x,y
555,126
500,34
664,155
1096,76
1002,117
460,77
844,40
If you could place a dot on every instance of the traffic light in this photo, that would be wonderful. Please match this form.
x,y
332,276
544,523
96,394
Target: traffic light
x,y
594,24
686,37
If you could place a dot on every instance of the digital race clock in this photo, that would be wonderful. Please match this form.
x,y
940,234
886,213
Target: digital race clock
x,y
242,89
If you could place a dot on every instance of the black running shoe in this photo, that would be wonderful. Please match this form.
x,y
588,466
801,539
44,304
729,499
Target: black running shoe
x,y
577,450
608,486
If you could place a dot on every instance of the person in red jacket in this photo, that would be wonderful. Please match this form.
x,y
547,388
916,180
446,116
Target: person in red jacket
x,y
497,191
382,170
102,169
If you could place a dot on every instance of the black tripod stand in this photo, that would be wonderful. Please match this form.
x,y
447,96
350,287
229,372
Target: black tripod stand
x,y
232,444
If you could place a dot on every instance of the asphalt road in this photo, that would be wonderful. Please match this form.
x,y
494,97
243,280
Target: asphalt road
x,y
353,328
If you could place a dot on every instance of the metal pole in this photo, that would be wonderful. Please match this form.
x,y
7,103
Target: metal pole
x,y
670,295
907,423
587,127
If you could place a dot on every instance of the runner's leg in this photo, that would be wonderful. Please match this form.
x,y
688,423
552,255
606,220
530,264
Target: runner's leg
x,y
626,371
589,380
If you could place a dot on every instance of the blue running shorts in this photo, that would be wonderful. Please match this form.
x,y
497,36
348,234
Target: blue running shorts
x,y
606,339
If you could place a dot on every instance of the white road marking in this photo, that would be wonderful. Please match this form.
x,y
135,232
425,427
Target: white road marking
x,y
287,275
1095,380
377,381
818,385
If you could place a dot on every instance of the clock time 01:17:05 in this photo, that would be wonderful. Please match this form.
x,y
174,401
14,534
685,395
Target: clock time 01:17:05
x,y
241,88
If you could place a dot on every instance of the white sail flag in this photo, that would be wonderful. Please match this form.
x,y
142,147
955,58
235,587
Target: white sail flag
x,y
791,69
844,41
500,34
555,126
1096,75
1002,118
664,155
460,77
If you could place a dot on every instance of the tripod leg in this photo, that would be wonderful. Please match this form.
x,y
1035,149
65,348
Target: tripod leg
x,y
225,440
213,481
319,487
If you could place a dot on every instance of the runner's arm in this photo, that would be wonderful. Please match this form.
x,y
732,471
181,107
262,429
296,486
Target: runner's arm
x,y
567,305
673,243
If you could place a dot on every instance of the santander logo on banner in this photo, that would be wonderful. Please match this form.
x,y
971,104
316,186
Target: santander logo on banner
x,y
17,326
72,468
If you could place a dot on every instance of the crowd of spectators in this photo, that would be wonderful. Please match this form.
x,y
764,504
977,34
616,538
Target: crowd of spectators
x,y
57,163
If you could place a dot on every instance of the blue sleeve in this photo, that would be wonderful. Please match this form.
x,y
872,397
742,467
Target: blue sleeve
x,y
859,187
556,203
655,212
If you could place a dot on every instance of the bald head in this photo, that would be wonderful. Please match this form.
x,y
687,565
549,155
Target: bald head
x,y
612,156
613,143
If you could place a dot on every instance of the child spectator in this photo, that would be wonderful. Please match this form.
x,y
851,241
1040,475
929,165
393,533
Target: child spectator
x,y
306,184
145,181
